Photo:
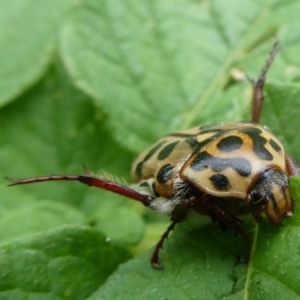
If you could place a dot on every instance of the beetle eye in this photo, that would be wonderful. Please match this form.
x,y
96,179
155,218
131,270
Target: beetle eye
x,y
256,198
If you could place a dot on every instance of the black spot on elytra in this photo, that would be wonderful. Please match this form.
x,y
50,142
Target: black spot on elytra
x,y
166,151
274,145
203,160
220,181
258,143
201,131
139,167
192,141
153,150
164,173
204,131
230,143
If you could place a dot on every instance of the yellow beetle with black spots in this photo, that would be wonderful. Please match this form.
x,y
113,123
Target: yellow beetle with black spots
x,y
239,160
222,171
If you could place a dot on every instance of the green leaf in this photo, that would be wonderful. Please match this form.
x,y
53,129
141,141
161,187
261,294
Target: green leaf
x,y
28,33
37,217
281,111
54,129
275,258
68,263
150,67
165,60
200,263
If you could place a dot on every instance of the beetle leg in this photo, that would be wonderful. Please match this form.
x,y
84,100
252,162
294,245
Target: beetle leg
x,y
178,215
91,180
226,221
292,166
258,85
257,216
217,214
159,245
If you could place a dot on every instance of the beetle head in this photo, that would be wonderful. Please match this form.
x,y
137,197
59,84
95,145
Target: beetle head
x,y
270,192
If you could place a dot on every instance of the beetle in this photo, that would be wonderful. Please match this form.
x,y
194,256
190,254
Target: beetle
x,y
222,171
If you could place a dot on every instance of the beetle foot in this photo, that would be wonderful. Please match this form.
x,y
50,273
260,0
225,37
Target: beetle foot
x,y
159,245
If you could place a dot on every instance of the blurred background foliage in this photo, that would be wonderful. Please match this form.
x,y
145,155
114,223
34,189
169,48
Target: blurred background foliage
x,y
95,82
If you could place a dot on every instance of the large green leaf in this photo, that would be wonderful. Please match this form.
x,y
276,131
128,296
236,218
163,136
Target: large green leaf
x,y
150,67
54,129
282,114
28,36
37,217
68,263
166,60
200,263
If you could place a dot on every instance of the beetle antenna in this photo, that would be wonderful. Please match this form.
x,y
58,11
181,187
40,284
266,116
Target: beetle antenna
x,y
90,180
258,85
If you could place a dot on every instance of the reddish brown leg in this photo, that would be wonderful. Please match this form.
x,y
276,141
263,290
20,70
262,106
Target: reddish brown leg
x,y
217,214
258,86
292,166
155,255
226,221
91,180
178,215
